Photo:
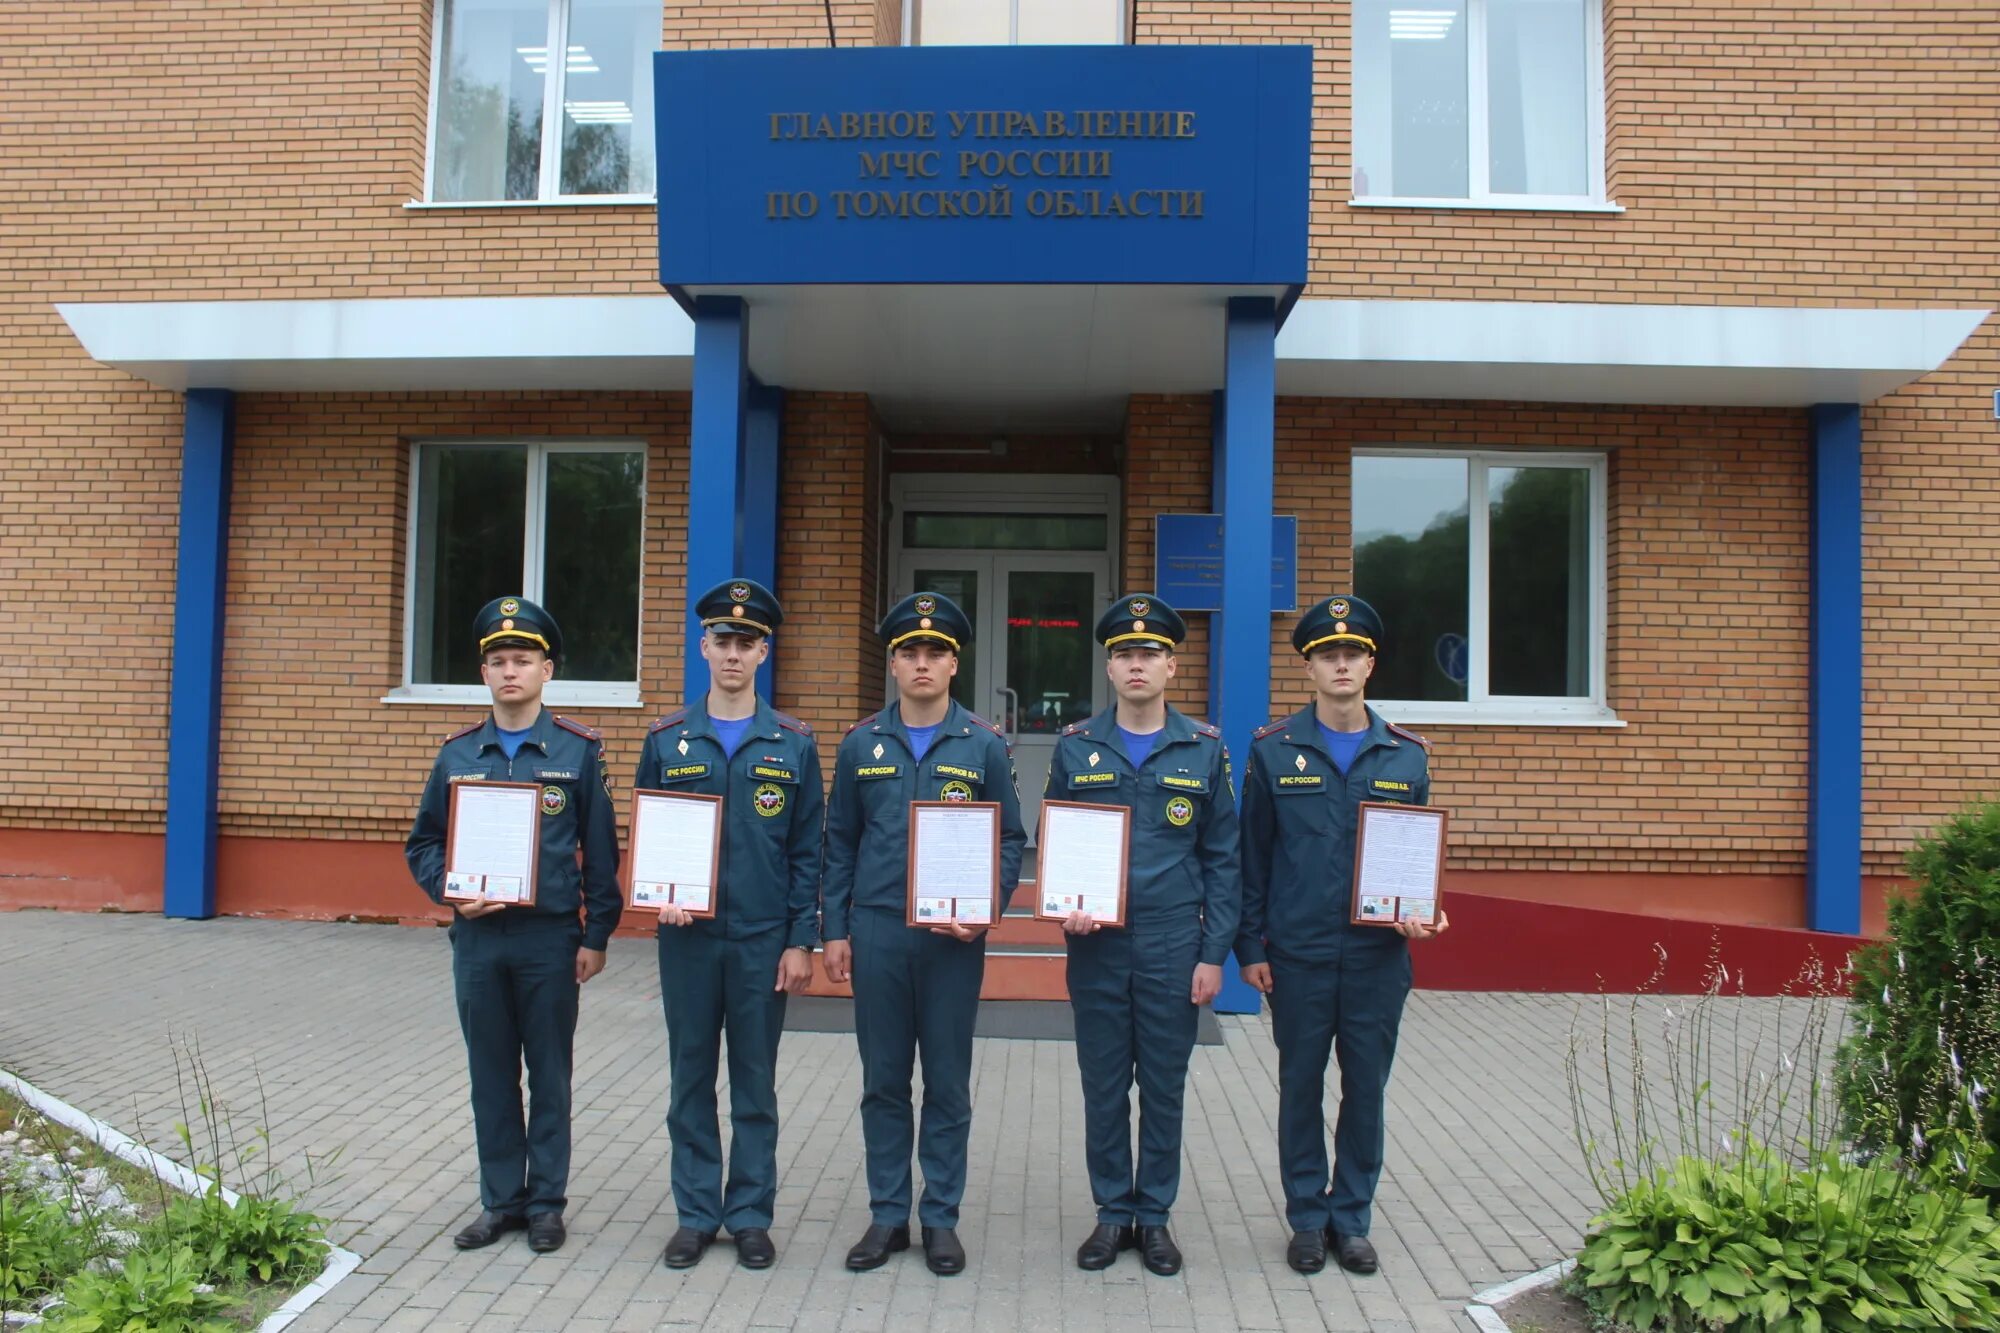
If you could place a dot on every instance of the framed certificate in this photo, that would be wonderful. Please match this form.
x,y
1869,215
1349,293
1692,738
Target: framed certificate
x,y
493,835
676,853
1085,851
1398,863
954,869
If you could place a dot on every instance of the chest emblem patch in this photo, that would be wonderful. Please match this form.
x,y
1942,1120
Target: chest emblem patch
x,y
878,749
1093,759
768,798
1179,811
682,747
554,800
955,791
1301,762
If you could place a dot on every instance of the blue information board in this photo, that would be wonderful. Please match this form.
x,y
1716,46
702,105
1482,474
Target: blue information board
x,y
1025,164
1187,561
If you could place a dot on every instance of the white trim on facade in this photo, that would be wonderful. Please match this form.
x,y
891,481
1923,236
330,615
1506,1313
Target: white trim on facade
x,y
1516,351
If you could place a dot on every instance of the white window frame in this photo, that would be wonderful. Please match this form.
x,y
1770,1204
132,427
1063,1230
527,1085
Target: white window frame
x,y
1014,22
549,181
560,693
1480,707
1479,195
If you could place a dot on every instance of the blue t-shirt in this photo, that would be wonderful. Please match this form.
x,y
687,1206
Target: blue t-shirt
x,y
730,731
1138,744
921,738
511,741
1342,745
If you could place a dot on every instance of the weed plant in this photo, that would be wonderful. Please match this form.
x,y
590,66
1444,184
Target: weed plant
x,y
1728,1202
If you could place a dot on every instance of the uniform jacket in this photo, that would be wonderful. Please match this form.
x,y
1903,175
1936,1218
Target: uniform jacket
x,y
772,812
1182,868
1299,816
875,777
567,759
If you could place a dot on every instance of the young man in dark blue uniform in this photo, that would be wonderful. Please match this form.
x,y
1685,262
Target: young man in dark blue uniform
x,y
914,990
1136,992
1332,985
517,969
732,973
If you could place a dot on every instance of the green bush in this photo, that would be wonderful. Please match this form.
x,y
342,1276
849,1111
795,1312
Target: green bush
x,y
1757,1244
1925,1047
39,1245
263,1239
158,1291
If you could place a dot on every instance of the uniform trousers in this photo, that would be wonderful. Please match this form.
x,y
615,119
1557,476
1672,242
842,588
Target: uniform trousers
x,y
1352,1008
1128,993
514,974
711,987
915,994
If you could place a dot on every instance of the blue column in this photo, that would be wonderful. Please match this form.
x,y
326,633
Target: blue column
x,y
715,458
1833,818
757,485
1245,457
208,435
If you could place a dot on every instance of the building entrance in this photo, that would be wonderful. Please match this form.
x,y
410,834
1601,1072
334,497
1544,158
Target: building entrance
x,y
1031,566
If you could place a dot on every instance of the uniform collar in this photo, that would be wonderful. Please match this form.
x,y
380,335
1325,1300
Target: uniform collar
x,y
763,723
1303,729
890,721
538,732
1103,729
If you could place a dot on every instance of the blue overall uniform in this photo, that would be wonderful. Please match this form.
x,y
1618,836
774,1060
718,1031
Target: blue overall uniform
x,y
514,970
913,991
1335,987
720,975
1128,989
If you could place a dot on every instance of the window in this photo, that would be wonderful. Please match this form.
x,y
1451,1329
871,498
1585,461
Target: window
x,y
1488,570
558,523
1014,22
496,89
1494,102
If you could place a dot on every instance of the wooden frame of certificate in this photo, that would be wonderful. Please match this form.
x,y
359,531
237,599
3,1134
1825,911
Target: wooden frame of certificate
x,y
1083,860
949,851
502,870
1398,863
662,869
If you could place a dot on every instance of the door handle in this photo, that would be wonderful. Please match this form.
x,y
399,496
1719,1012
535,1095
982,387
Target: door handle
x,y
1013,714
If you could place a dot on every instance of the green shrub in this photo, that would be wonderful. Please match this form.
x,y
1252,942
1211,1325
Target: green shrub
x,y
1925,1047
263,1239
1757,1244
40,1245
158,1291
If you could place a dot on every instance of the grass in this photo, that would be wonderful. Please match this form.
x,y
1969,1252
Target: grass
x,y
249,1302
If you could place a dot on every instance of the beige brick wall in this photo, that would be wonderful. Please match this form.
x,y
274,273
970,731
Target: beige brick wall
x,y
1804,154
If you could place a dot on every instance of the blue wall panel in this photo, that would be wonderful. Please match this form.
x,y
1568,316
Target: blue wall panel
x,y
1117,164
715,460
193,725
1833,830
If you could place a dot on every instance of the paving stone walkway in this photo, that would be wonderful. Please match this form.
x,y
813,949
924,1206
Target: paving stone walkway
x,y
351,1032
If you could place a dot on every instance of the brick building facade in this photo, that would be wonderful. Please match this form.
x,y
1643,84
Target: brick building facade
x,y
1832,159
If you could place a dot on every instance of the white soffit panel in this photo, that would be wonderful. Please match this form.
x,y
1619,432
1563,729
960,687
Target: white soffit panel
x,y
501,342
1724,356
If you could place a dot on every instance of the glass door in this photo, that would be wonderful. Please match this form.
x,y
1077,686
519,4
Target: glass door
x,y
1033,666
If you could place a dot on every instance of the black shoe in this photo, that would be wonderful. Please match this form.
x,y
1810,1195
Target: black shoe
x,y
546,1233
487,1228
1356,1255
876,1245
1158,1251
943,1254
686,1246
1100,1251
1307,1252
754,1248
